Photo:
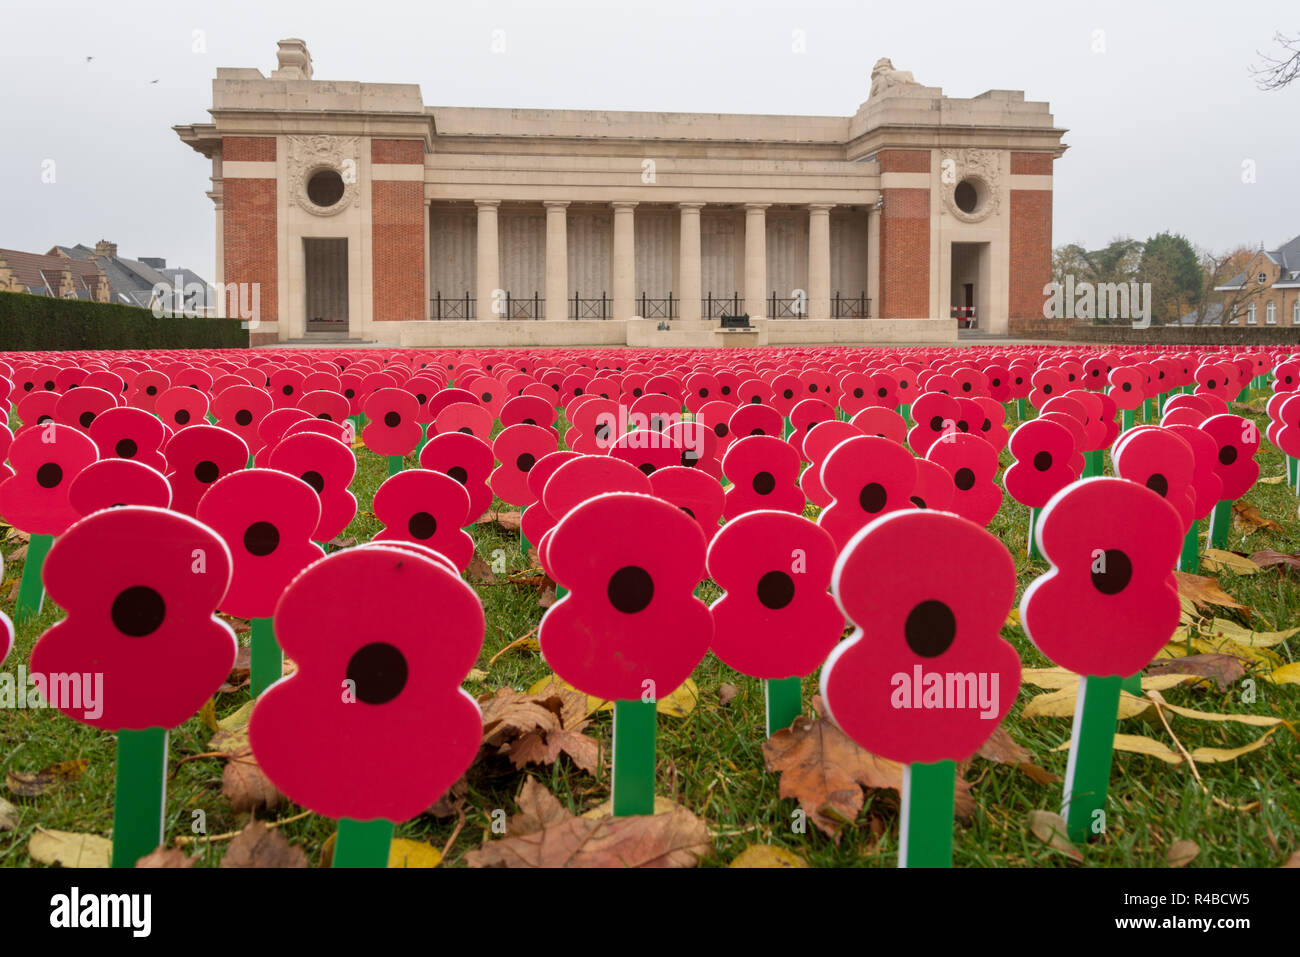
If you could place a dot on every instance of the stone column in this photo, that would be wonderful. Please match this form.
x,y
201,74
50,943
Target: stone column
x,y
624,260
489,259
756,259
428,261
557,259
873,259
819,260
688,266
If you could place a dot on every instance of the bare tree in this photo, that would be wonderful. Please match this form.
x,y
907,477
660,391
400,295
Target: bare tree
x,y
1217,269
1278,71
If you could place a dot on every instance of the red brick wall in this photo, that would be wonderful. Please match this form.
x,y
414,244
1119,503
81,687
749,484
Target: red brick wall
x,y
904,161
1030,252
397,250
1031,164
250,244
251,149
396,151
905,254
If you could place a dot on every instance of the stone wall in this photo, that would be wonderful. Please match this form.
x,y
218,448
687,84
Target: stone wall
x,y
1155,335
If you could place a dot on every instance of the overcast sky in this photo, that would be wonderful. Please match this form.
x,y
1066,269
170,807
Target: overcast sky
x,y
1160,119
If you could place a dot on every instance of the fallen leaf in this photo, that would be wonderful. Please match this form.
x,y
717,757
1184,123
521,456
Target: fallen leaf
x,y
1224,670
18,535
1049,677
480,571
246,786
547,598
18,554
1139,744
536,729
1001,749
545,834
1204,590
8,816
825,770
258,846
1255,720
1247,516
1181,853
1270,480
1223,628
238,718
1050,828
340,542
477,675
1013,619
1267,558
34,784
66,849
767,855
726,692
1218,645
166,857
681,702
1287,674
1037,774
229,742
508,520
1218,560
1061,704
208,715
1293,860
406,853
453,801
1221,755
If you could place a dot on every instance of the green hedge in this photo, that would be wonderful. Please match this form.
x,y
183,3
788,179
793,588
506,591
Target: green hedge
x,y
38,323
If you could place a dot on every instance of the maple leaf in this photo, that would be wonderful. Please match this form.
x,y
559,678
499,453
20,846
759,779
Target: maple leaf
x,y
258,846
825,770
537,729
245,785
1204,590
545,834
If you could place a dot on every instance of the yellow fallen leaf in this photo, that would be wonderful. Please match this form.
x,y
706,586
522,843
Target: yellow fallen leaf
x,y
406,853
1257,720
767,855
1061,704
1219,755
67,849
476,674
1049,677
677,705
237,719
1222,627
1270,480
1013,620
1286,675
1217,560
1224,646
1139,744
208,715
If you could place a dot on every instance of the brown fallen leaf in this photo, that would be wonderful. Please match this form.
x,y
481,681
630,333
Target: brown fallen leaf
x,y
1204,590
825,770
1182,853
36,783
1036,774
1247,516
545,834
1293,860
726,692
1050,828
246,786
548,597
18,554
1225,670
508,520
1000,748
1267,558
166,857
258,846
17,535
69,849
537,729
340,542
453,802
479,571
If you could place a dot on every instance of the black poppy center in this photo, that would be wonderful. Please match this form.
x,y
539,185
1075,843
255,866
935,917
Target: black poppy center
x,y
525,462
1043,461
392,420
206,472
776,590
964,479
261,538
763,483
126,448
930,628
49,475
872,497
459,474
86,418
422,525
1116,570
1228,454
630,589
138,611
243,417
1158,484
315,480
378,672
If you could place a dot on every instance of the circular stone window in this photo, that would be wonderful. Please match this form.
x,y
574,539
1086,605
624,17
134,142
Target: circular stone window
x,y
967,196
325,188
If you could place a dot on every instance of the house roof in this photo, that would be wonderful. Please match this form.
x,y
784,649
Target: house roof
x,y
43,275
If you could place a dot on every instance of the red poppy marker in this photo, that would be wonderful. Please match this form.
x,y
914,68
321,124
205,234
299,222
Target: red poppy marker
x,y
394,429
267,519
328,466
1043,450
764,472
139,586
337,735
45,459
866,477
426,508
630,626
1108,604
925,677
466,458
112,483
1238,441
776,620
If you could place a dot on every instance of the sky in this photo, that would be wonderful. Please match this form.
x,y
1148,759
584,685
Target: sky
x,y
1165,122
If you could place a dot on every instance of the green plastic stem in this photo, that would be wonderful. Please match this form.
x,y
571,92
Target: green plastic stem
x,y
1291,464
925,829
1128,418
266,660
524,544
1032,548
363,843
1190,559
395,464
905,410
1092,463
1022,409
1220,521
633,788
784,702
424,438
31,590
139,793
1087,773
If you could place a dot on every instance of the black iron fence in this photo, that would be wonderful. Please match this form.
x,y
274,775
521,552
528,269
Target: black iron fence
x,y
580,308
650,307
851,307
445,308
658,308
715,307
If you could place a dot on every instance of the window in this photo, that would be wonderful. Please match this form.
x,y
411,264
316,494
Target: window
x,y
1295,313
1252,317
1261,279
1270,314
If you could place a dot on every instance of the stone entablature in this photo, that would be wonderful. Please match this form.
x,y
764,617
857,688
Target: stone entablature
x,y
906,204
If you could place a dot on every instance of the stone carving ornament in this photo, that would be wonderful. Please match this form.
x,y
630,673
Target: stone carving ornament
x,y
308,155
884,77
981,169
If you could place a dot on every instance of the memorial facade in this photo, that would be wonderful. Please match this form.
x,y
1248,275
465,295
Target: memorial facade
x,y
361,213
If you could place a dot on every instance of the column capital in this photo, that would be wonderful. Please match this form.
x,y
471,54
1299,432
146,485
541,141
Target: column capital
x,y
556,203
691,206
487,203
756,207
627,205
820,207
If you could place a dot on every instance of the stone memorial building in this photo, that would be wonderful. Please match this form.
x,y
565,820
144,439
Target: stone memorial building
x,y
361,213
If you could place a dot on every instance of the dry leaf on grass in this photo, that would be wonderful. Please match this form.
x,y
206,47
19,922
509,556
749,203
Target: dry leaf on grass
x,y
1223,628
825,770
507,520
767,855
246,786
1050,828
66,849
548,597
1247,516
36,783
1218,560
451,803
1267,558
726,692
479,571
545,834
166,857
1224,670
257,846
8,816
537,729
1182,853
1204,590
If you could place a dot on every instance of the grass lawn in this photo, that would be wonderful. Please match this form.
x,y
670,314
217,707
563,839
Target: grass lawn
x,y
1245,813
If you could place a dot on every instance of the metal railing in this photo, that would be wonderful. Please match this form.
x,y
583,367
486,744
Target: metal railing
x,y
658,308
580,308
444,308
851,307
527,308
714,307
